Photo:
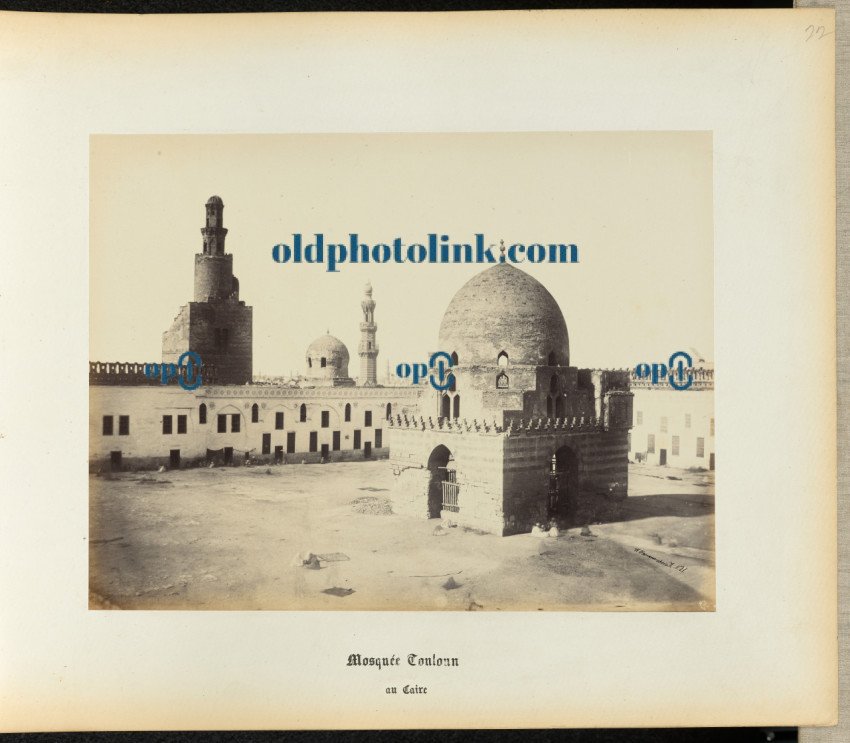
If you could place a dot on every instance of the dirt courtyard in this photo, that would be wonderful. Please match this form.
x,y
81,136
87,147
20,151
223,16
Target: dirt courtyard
x,y
229,538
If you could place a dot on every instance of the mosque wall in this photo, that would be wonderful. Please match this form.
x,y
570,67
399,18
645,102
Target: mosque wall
x,y
673,427
147,423
477,460
503,475
603,469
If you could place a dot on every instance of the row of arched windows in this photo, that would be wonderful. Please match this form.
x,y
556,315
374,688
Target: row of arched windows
x,y
302,413
502,359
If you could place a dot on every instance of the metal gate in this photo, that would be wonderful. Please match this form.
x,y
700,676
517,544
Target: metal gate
x,y
448,481
554,499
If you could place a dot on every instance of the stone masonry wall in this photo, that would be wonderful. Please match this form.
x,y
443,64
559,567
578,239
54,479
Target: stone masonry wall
x,y
145,445
478,461
234,364
602,458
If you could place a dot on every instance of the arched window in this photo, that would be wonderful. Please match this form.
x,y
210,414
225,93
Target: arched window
x,y
549,406
501,381
323,362
553,383
454,358
456,411
302,413
559,406
453,383
552,358
347,412
445,406
202,413
502,359
309,363
255,413
389,410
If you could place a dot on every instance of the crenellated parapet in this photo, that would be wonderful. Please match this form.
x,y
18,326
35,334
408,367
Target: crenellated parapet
x,y
450,425
703,379
310,393
513,427
132,373
541,425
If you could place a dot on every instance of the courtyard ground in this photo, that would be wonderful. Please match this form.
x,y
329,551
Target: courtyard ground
x,y
229,538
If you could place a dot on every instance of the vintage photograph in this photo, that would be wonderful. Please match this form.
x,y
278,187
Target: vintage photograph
x,y
456,372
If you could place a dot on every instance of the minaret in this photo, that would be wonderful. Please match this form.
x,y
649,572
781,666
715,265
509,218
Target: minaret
x,y
213,267
368,349
214,231
215,324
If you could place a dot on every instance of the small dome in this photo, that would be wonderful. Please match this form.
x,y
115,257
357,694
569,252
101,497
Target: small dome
x,y
327,357
505,309
215,201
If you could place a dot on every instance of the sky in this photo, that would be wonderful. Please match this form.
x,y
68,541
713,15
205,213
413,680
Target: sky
x,y
637,204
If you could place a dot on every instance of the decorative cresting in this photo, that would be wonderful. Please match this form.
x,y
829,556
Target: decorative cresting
x,y
505,305
515,427
702,376
133,373
373,393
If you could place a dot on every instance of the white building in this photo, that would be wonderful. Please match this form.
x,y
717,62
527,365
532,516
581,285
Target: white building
x,y
674,427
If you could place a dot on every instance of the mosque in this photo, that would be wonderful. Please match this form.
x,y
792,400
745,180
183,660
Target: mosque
x,y
516,438
521,432
136,422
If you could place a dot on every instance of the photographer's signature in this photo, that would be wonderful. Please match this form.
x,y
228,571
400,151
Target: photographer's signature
x,y
671,564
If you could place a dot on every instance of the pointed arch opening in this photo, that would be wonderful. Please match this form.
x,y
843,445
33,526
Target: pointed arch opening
x,y
302,413
564,483
442,483
456,407
347,412
502,381
389,410
202,413
255,413
445,406
552,360
502,359
553,383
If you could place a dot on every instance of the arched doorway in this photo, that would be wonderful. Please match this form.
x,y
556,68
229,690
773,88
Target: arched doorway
x,y
442,483
563,482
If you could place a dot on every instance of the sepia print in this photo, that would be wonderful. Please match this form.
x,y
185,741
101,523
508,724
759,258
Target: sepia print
x,y
523,421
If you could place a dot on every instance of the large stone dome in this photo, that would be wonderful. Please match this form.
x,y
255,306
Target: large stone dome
x,y
327,357
505,309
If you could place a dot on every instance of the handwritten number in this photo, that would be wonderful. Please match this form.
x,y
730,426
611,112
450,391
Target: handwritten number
x,y
817,32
